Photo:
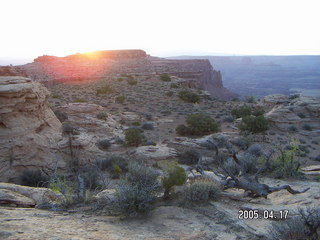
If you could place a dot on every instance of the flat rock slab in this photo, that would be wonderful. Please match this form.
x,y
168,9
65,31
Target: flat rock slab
x,y
8,197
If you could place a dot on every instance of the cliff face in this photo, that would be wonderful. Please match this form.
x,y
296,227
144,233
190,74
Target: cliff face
x,y
28,128
99,64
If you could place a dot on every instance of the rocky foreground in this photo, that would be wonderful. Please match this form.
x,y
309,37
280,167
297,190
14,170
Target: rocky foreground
x,y
215,220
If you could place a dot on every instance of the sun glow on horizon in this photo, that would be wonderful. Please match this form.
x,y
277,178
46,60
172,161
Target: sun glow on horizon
x,y
161,28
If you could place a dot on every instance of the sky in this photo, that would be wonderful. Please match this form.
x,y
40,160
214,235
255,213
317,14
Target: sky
x,y
30,28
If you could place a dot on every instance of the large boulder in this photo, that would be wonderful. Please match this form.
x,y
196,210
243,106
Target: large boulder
x,y
38,195
29,128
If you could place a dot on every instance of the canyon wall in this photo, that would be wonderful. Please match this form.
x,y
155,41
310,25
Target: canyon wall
x,y
99,64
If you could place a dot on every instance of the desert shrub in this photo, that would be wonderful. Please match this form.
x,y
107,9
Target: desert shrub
x,y
201,190
80,100
62,116
174,176
69,128
148,126
304,226
91,178
189,157
55,95
136,123
258,111
120,99
248,163
33,178
201,124
285,164
294,96
104,90
254,124
132,81
119,79
317,158
165,77
104,144
229,119
102,115
108,163
182,130
174,85
169,94
136,192
255,150
133,137
189,96
292,128
301,115
306,127
235,100
241,112
242,142
198,124
250,99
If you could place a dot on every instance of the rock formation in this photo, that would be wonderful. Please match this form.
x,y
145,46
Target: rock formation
x,y
298,113
28,128
99,64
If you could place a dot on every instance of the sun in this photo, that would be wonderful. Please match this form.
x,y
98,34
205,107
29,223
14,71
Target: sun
x,y
95,55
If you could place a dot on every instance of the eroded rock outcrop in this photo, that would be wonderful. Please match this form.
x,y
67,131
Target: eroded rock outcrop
x,y
297,114
29,129
197,73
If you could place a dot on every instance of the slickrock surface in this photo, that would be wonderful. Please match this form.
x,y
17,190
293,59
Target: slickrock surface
x,y
302,112
28,128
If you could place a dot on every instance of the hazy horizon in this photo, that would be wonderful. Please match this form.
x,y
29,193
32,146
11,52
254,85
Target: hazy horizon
x,y
161,28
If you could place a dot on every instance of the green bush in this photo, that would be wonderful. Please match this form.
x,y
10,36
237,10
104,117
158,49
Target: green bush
x,y
254,124
102,115
174,176
136,123
136,192
133,137
251,99
201,190
243,111
33,178
132,81
116,165
104,144
258,111
104,90
306,127
188,96
120,99
174,85
169,94
284,164
182,130
165,77
69,128
189,157
198,124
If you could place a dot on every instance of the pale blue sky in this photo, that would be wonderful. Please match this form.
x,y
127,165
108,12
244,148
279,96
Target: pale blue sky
x,y
30,28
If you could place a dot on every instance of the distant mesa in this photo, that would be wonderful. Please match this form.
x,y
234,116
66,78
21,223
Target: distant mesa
x,y
91,66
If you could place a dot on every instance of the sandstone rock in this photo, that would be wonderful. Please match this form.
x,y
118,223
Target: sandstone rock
x,y
298,111
107,195
29,128
38,195
8,197
158,152
83,108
